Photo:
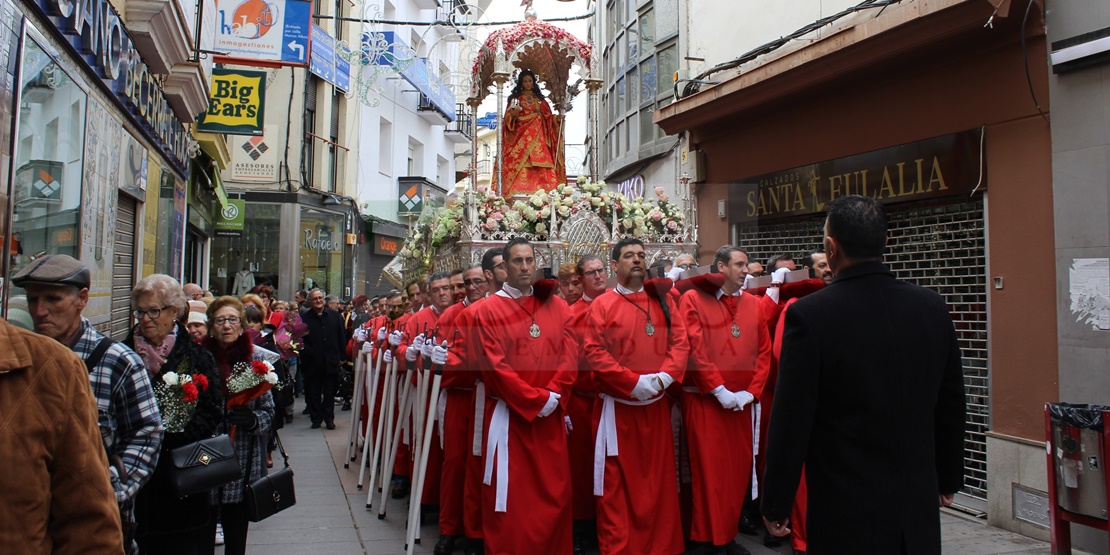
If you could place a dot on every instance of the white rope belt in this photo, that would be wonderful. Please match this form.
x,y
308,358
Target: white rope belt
x,y
606,443
406,415
441,412
479,418
755,448
497,448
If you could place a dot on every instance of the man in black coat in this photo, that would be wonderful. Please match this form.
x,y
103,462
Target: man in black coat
x,y
870,397
321,358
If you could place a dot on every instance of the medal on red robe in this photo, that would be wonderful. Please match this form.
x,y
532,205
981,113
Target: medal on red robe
x,y
735,330
534,331
650,329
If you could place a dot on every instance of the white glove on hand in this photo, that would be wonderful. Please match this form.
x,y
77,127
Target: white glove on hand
x,y
411,353
360,334
429,345
779,276
552,402
748,279
743,398
647,386
381,333
439,354
367,347
665,378
726,398
388,356
395,338
674,273
417,343
569,425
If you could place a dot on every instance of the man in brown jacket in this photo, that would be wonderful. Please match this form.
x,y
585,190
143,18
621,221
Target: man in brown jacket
x,y
54,473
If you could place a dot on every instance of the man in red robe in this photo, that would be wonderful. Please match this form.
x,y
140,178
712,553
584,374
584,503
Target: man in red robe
x,y
528,364
493,267
636,346
414,347
592,277
457,415
730,354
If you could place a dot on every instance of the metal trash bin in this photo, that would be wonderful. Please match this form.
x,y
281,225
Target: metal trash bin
x,y
1079,466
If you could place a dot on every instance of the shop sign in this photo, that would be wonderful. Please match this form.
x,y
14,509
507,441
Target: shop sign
x,y
95,31
254,158
937,167
386,245
392,51
237,104
230,221
411,199
632,188
322,242
263,33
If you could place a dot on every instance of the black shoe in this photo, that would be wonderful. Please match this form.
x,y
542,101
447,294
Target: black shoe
x,y
733,548
315,425
289,419
771,540
799,552
400,488
579,543
474,547
445,545
747,525
305,411
331,425
346,406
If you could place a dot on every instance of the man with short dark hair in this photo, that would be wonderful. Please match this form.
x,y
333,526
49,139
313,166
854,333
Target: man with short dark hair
x,y
636,346
458,287
57,289
870,397
781,261
755,269
815,260
528,364
322,358
301,298
570,286
730,356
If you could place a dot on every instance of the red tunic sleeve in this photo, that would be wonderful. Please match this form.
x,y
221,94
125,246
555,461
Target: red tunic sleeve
x,y
703,371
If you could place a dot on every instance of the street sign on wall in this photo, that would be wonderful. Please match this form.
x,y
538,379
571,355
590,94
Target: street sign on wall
x,y
328,60
263,32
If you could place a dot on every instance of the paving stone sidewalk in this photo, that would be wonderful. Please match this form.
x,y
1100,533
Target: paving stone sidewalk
x,y
330,517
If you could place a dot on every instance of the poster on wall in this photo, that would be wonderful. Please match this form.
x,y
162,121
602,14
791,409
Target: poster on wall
x,y
150,219
263,32
254,158
103,135
1089,289
237,103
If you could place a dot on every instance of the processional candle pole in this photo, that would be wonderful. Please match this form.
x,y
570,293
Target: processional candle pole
x,y
594,85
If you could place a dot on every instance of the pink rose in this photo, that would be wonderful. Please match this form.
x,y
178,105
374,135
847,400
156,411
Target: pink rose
x,y
659,192
497,216
656,215
491,224
672,225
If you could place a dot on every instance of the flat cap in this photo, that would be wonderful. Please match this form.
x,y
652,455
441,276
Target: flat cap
x,y
54,269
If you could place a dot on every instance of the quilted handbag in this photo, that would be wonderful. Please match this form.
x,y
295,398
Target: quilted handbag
x,y
204,465
272,493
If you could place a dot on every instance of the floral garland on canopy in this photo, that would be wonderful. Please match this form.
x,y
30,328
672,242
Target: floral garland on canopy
x,y
654,220
512,37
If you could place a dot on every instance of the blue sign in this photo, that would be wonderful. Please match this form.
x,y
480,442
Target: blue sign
x,y
328,63
489,120
415,71
263,32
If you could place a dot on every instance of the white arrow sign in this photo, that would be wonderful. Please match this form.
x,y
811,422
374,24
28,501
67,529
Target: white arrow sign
x,y
298,48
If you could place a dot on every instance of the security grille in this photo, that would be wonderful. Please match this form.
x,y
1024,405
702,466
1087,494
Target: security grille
x,y
123,268
940,246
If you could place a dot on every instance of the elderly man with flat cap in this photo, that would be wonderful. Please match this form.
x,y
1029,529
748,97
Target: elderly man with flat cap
x,y
57,289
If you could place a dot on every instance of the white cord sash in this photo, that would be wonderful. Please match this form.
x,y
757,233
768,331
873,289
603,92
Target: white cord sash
x,y
497,448
479,418
606,443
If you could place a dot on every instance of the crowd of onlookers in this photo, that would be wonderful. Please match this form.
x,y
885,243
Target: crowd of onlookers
x,y
90,467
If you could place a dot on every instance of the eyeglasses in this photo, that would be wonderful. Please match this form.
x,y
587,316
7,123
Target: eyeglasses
x,y
686,266
153,313
314,299
594,273
232,320
474,282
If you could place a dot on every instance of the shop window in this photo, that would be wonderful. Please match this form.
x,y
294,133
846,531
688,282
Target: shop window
x,y
647,127
668,64
251,257
46,194
647,31
321,248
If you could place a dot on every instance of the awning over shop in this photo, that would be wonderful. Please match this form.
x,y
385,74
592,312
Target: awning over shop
x,y
214,146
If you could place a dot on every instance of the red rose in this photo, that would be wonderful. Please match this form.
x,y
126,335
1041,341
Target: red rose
x,y
201,380
191,392
259,367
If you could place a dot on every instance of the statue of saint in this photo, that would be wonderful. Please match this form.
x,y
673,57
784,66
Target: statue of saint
x,y
532,141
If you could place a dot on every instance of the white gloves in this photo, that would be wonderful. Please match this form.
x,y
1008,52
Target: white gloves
x,y
418,344
395,338
647,386
779,276
665,378
439,354
748,279
367,347
726,398
428,346
388,356
360,334
675,273
381,333
744,399
552,402
411,353
569,425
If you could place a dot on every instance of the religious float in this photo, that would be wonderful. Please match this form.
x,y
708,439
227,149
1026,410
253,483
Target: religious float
x,y
530,196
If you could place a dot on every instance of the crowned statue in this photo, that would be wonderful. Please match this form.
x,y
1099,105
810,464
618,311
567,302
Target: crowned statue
x,y
532,140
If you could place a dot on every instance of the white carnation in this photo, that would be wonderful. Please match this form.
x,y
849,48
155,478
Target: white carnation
x,y
271,377
171,378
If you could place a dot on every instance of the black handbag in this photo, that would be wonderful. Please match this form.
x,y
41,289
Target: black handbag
x,y
272,493
203,465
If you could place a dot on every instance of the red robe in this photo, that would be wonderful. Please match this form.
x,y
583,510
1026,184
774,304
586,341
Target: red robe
x,y
467,353
580,410
426,322
798,513
638,510
521,371
457,386
719,440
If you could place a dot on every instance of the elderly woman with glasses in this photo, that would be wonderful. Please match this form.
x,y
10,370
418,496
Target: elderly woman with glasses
x,y
230,346
167,524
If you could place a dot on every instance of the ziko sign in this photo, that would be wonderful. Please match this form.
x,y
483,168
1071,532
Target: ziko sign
x,y
632,188
237,103
95,33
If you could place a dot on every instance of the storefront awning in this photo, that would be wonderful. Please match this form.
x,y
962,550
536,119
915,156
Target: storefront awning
x,y
218,186
215,146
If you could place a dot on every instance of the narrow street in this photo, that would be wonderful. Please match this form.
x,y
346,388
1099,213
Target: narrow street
x,y
330,517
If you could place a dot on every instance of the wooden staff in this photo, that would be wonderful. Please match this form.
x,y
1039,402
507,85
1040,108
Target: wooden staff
x,y
421,469
356,404
403,385
385,417
370,384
